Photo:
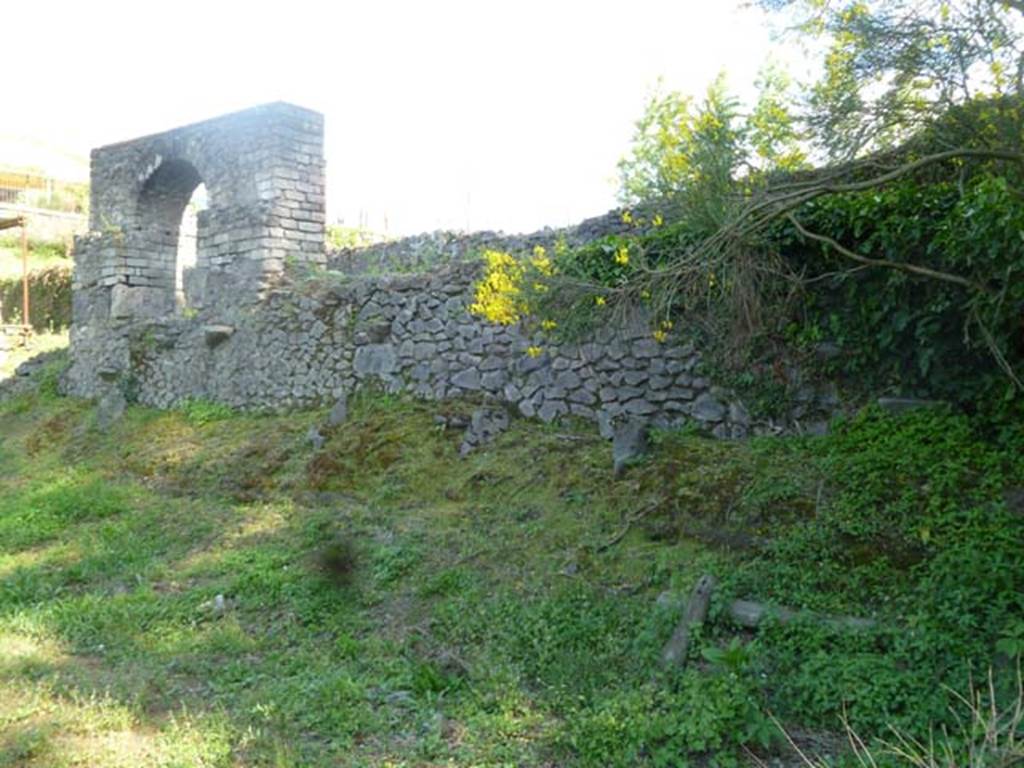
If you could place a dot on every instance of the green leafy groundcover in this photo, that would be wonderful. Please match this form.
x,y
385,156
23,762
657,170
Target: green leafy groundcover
x,y
920,335
479,620
916,530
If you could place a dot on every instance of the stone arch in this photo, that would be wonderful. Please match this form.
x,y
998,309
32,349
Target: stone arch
x,y
164,196
263,172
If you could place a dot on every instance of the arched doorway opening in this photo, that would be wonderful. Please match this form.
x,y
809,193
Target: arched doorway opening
x,y
170,204
188,243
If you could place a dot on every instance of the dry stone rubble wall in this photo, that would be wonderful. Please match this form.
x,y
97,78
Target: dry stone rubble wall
x,y
260,324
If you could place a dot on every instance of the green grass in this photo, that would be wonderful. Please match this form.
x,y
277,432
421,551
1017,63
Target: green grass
x,y
40,256
388,604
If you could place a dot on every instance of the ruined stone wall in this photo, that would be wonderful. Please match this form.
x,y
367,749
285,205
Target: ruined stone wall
x,y
255,335
421,253
307,345
263,169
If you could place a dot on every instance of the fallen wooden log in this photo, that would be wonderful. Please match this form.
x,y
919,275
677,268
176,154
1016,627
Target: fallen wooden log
x,y
744,613
675,650
750,614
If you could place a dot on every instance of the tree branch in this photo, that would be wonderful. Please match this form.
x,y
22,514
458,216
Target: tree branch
x,y
898,265
772,206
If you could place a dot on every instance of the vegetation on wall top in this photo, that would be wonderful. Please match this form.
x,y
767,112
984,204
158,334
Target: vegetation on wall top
x,y
903,252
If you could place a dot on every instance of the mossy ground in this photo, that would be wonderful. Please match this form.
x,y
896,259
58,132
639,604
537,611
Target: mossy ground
x,y
386,603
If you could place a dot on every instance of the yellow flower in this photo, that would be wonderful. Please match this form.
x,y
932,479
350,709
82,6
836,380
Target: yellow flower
x,y
627,217
622,257
548,325
657,220
540,260
497,294
645,295
660,336
600,301
666,325
533,351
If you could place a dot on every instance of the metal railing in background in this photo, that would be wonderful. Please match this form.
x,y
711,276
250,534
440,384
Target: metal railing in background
x,y
36,191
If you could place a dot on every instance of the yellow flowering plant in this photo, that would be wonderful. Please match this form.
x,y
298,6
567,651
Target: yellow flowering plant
x,y
511,287
561,290
498,294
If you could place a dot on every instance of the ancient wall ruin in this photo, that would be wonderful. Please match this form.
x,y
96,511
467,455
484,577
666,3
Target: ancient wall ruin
x,y
264,173
262,325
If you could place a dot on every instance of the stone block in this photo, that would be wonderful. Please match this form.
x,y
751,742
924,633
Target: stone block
x,y
137,302
467,379
629,443
375,360
707,408
215,335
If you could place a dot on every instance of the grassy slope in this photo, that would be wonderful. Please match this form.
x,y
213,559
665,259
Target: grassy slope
x,y
470,617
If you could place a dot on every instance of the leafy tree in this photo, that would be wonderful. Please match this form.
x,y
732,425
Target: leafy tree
x,y
921,97
676,146
892,66
680,147
773,130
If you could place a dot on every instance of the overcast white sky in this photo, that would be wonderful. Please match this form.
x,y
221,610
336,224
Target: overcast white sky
x,y
478,115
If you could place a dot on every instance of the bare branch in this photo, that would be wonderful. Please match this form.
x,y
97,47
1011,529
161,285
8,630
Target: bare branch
x,y
888,264
916,165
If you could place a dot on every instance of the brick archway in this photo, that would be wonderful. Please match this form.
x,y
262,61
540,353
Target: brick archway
x,y
263,169
162,203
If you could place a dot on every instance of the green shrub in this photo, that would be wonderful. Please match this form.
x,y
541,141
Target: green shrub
x,y
49,298
912,334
